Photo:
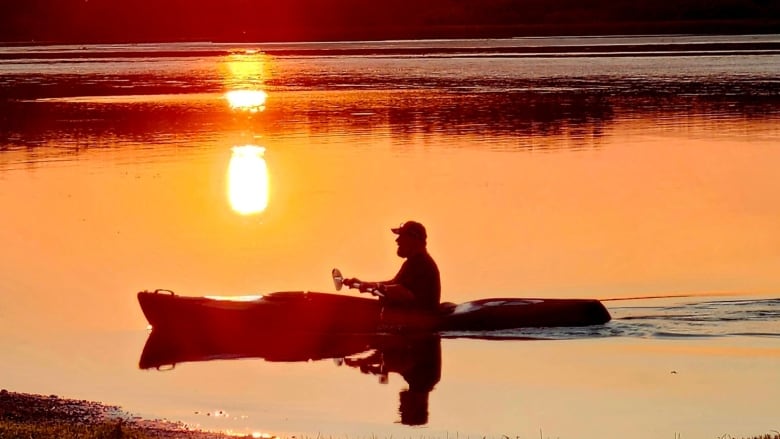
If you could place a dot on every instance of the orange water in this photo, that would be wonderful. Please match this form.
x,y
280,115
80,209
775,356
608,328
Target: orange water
x,y
631,203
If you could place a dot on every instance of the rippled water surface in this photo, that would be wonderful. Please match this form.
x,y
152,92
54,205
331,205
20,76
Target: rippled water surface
x,y
637,170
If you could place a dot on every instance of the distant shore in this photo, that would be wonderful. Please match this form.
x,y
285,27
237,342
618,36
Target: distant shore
x,y
506,47
461,31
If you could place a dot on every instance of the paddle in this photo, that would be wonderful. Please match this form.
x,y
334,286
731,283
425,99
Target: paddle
x,y
338,282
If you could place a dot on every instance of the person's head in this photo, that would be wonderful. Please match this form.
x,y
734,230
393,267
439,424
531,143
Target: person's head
x,y
414,407
411,239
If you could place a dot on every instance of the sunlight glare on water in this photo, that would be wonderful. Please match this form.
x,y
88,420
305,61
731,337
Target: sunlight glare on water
x,y
249,69
248,180
244,76
248,100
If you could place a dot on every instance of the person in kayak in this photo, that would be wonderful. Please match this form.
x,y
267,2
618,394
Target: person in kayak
x,y
417,284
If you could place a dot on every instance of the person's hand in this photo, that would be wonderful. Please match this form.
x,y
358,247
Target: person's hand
x,y
351,281
367,286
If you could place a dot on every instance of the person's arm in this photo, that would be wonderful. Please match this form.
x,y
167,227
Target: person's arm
x,y
393,291
366,286
396,293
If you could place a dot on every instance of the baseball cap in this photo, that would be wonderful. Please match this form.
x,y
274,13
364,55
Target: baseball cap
x,y
411,228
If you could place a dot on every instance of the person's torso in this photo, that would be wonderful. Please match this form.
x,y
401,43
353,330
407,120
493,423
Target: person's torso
x,y
420,275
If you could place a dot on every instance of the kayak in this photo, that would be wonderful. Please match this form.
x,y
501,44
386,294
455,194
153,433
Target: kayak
x,y
337,313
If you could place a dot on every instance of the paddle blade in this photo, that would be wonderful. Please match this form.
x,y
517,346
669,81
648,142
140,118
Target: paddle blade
x,y
338,279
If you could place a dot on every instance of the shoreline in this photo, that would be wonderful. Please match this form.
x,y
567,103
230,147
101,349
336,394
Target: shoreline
x,y
41,416
24,415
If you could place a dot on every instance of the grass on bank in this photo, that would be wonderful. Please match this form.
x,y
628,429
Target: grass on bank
x,y
102,430
117,430
14,430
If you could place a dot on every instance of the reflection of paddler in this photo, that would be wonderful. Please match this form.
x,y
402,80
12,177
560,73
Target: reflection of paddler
x,y
417,358
414,407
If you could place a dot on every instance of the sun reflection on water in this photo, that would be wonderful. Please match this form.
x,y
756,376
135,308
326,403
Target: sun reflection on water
x,y
248,69
245,76
249,100
248,180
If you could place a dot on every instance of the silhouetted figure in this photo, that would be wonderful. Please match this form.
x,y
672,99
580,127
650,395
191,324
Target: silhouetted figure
x,y
417,359
417,284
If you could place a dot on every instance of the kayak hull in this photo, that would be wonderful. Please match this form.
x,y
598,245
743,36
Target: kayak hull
x,y
282,311
334,313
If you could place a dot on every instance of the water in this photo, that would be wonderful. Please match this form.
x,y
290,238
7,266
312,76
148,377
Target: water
x,y
641,167
666,318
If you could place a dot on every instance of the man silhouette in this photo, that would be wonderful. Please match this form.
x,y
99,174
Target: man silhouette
x,y
417,285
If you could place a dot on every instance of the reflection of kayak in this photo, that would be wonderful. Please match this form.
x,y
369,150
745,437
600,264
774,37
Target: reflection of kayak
x,y
416,357
166,348
324,312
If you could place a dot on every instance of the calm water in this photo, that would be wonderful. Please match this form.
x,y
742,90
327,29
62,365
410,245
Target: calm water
x,y
640,167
